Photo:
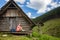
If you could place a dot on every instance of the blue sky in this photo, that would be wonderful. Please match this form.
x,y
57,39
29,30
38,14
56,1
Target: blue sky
x,y
34,8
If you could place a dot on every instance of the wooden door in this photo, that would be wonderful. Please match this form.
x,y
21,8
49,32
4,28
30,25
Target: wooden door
x,y
12,22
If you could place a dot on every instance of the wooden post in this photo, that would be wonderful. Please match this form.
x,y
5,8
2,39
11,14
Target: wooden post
x,y
39,27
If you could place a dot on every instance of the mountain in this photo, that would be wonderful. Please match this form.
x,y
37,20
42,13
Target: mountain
x,y
55,13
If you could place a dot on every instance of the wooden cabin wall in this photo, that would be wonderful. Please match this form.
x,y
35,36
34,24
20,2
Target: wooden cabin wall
x,y
4,24
11,19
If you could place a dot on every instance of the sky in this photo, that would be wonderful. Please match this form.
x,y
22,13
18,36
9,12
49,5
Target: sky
x,y
34,8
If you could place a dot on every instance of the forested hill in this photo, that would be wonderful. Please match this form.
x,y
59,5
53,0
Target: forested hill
x,y
55,13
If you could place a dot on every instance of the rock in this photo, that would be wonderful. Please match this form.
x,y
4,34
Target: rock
x,y
4,35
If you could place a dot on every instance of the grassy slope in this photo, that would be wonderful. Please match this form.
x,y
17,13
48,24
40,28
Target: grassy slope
x,y
15,37
12,37
52,27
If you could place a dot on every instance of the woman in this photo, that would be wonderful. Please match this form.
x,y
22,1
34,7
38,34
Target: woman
x,y
19,28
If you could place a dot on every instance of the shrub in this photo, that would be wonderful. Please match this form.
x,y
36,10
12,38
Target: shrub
x,y
47,37
35,34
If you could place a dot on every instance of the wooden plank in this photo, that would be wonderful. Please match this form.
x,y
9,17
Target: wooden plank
x,y
21,32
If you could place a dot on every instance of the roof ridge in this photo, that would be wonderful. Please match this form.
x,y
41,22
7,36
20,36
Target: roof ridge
x,y
11,0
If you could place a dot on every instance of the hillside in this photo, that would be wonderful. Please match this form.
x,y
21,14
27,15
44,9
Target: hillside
x,y
51,21
52,27
55,13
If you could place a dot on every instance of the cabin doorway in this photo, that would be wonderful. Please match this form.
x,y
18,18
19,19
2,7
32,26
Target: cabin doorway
x,y
13,24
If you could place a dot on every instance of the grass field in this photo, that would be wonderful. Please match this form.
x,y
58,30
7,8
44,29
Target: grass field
x,y
52,27
15,37
4,36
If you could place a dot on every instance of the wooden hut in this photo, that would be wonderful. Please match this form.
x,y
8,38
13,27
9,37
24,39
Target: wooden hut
x,y
11,15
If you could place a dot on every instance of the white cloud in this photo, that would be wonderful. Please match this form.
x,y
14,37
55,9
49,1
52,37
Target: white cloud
x,y
33,17
41,5
6,0
59,2
42,10
21,1
27,2
34,4
54,4
29,14
48,9
20,5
